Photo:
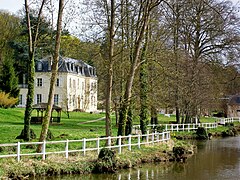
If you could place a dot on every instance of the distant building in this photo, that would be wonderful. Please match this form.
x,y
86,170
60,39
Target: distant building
x,y
233,106
76,85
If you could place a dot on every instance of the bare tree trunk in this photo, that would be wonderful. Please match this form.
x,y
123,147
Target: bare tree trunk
x,y
111,20
46,120
31,69
176,57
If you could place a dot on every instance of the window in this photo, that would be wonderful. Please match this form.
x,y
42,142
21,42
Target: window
x,y
39,98
39,82
56,99
81,69
74,83
70,100
39,66
58,82
73,100
70,82
82,86
20,99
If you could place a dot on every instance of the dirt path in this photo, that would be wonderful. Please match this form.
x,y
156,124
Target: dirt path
x,y
102,118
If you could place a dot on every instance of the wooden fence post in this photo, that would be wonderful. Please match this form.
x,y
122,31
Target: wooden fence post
x,y
98,150
109,142
44,150
153,138
119,144
139,141
66,149
18,151
129,142
84,147
147,137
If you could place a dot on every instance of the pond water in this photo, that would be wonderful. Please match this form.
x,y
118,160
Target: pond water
x,y
217,159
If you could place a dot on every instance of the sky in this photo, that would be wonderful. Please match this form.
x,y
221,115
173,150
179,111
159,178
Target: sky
x,y
14,5
11,5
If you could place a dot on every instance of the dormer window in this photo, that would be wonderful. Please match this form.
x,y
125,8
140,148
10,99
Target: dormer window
x,y
90,71
72,67
39,66
76,69
68,66
81,70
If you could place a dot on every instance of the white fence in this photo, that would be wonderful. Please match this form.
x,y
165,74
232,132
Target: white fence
x,y
223,121
177,127
84,145
188,127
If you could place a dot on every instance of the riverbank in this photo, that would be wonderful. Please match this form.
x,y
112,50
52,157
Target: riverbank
x,y
78,164
227,130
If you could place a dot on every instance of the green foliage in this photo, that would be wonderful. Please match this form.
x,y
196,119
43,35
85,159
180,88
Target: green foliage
x,y
201,133
6,101
8,78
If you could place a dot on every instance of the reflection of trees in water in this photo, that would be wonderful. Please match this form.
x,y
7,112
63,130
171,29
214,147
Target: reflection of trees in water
x,y
152,171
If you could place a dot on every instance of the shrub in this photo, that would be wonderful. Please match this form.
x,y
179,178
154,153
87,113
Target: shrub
x,y
6,101
201,133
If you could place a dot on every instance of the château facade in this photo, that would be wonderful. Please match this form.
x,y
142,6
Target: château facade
x,y
76,85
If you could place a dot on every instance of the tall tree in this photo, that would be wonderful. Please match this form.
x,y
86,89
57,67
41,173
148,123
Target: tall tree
x,y
110,38
202,32
9,28
144,10
144,109
54,70
32,40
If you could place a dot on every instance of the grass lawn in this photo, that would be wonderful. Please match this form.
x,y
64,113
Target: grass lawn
x,y
11,125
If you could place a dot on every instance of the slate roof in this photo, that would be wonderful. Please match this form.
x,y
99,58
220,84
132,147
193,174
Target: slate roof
x,y
234,100
66,65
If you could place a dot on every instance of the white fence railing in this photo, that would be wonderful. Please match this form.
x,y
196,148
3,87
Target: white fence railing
x,y
94,144
223,121
177,127
188,127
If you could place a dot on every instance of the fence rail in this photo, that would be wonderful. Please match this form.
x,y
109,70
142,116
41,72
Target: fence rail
x,y
223,121
176,127
93,144
187,127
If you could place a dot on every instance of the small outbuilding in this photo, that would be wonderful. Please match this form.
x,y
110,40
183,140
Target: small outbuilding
x,y
40,108
233,106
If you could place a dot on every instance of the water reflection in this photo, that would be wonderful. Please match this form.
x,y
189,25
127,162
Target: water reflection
x,y
217,159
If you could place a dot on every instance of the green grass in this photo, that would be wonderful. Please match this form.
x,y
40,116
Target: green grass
x,y
165,120
12,123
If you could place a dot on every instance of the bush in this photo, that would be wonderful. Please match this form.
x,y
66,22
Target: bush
x,y
201,133
6,101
